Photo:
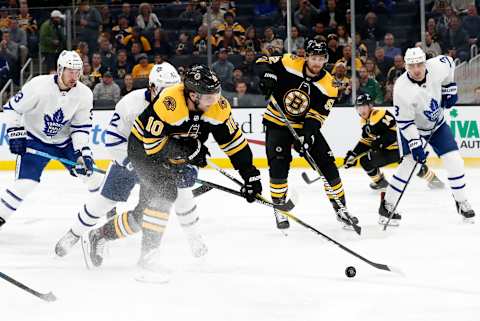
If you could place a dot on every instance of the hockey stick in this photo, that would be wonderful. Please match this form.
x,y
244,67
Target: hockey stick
x,y
314,165
60,159
49,297
410,176
263,201
310,181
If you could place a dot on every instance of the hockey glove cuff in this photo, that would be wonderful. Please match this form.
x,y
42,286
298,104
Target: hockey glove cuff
x,y
418,153
17,140
252,185
449,95
84,164
349,160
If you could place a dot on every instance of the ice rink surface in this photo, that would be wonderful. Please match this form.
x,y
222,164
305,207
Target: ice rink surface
x,y
252,271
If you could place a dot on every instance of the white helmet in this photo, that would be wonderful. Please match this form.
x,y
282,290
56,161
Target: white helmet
x,y
163,75
414,56
69,59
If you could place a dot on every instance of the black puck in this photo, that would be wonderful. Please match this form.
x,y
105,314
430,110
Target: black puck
x,y
350,271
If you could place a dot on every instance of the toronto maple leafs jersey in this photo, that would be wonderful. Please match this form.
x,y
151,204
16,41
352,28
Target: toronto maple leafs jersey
x,y
51,115
418,104
126,111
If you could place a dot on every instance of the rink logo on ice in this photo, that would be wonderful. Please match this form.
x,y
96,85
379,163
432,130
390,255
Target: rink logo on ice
x,y
54,123
465,131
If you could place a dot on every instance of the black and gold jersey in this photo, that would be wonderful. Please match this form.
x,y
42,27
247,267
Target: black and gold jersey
x,y
299,96
168,116
380,127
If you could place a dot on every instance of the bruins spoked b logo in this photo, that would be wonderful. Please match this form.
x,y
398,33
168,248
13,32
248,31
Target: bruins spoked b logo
x,y
296,102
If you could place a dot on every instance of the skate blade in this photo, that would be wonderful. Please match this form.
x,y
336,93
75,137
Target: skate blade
x,y
468,220
86,253
393,222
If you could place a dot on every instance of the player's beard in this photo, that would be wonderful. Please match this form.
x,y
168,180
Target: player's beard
x,y
315,70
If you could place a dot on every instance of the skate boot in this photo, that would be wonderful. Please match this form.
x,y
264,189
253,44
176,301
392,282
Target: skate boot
x,y
465,209
436,183
150,271
64,245
197,245
2,221
342,218
93,245
384,211
282,220
381,184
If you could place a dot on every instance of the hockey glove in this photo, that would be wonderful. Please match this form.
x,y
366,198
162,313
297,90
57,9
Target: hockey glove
x,y
349,160
84,164
418,153
449,95
268,83
252,185
17,140
310,128
190,151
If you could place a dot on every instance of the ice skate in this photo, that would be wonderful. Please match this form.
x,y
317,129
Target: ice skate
x,y
282,221
150,271
197,245
465,210
384,211
64,245
380,185
93,245
342,218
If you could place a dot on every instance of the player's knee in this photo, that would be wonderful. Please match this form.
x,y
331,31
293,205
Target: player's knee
x,y
279,161
453,159
118,183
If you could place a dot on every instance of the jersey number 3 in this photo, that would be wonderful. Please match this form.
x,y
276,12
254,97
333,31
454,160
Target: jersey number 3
x,y
154,126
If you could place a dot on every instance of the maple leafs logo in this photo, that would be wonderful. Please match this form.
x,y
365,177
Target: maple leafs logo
x,y
54,124
434,111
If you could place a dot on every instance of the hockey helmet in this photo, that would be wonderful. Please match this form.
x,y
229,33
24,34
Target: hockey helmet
x,y
69,59
202,80
414,56
315,47
364,99
161,76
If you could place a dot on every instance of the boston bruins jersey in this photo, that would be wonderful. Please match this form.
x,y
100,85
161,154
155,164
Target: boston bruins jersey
x,y
168,116
298,95
379,127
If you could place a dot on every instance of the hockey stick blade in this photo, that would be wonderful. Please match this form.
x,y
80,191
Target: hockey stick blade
x,y
49,297
308,180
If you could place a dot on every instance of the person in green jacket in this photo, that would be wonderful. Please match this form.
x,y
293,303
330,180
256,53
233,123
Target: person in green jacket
x,y
52,39
369,86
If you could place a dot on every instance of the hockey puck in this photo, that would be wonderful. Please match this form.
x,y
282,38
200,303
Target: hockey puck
x,y
350,271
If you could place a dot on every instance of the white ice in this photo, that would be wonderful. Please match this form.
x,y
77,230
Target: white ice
x,y
253,272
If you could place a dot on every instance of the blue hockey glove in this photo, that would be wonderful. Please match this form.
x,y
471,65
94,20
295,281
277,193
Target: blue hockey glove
x,y
85,163
418,153
17,140
449,95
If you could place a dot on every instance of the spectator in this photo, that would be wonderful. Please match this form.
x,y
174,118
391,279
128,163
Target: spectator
x,y
200,41
347,60
128,14
4,18
271,45
383,63
184,44
456,40
305,15
29,24
251,41
237,75
241,98
334,52
107,23
9,52
127,85
160,44
123,67
122,30
89,24
281,15
390,50
229,23
397,70
431,47
158,59
432,29
82,50
192,17
147,20
107,89
374,72
332,16
301,52
97,68
52,39
318,30
109,60
460,7
371,29
136,36
142,68
296,40
4,71
19,36
471,23
135,53
476,99
443,22
343,36
229,41
248,66
342,82
216,15
369,86
222,67
86,77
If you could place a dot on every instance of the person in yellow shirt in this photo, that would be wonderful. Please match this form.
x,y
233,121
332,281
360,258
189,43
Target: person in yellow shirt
x,y
142,68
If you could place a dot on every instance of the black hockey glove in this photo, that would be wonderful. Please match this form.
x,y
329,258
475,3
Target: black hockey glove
x,y
349,160
377,143
310,128
190,151
268,83
252,185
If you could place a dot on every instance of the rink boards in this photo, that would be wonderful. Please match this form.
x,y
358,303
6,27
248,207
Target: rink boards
x,y
342,130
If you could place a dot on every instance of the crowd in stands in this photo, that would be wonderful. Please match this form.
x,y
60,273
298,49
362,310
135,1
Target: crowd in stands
x,y
120,42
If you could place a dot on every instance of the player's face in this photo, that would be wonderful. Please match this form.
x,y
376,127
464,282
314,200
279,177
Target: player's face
x,y
70,77
417,71
364,111
206,100
315,63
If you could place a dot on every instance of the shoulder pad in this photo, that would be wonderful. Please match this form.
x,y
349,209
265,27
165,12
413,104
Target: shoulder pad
x,y
376,116
171,107
218,113
326,85
293,64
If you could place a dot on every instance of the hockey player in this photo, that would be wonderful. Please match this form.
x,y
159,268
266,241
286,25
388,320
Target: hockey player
x,y
52,114
420,94
304,91
167,140
379,142
121,178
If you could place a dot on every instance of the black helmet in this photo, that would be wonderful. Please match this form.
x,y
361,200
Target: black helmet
x,y
364,99
315,47
200,79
